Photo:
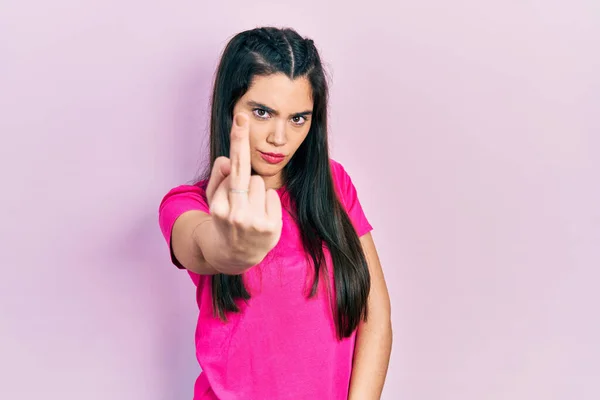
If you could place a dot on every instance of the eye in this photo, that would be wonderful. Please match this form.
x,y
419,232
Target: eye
x,y
260,113
298,120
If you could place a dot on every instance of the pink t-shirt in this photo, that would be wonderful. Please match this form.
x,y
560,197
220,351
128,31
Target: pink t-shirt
x,y
282,345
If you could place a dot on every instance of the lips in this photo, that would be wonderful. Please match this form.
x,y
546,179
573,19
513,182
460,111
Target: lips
x,y
272,158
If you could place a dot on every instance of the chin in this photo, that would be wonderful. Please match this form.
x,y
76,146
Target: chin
x,y
265,169
269,170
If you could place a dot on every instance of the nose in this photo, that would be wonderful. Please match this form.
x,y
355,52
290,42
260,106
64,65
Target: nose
x,y
278,136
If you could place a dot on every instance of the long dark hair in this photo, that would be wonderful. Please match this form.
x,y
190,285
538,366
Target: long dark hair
x,y
318,211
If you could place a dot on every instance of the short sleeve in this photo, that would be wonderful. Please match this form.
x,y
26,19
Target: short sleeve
x,y
349,198
176,202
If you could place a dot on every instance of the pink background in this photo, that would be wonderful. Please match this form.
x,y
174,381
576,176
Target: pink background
x,y
471,131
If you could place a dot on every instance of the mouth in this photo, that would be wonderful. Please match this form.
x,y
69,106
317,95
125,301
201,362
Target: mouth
x,y
272,158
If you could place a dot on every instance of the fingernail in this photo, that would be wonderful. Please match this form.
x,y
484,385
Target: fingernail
x,y
240,120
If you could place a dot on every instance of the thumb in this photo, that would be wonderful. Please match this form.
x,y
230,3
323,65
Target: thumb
x,y
220,170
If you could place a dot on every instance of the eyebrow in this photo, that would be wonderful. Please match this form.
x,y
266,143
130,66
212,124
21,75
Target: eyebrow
x,y
255,104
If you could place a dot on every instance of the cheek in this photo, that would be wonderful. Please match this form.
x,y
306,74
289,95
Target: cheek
x,y
302,136
258,134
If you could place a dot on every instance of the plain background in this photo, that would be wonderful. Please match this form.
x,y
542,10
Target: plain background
x,y
470,128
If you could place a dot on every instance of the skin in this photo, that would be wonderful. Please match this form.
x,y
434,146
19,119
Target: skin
x,y
273,116
279,110
374,338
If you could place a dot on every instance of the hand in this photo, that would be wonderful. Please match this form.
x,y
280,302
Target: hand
x,y
247,217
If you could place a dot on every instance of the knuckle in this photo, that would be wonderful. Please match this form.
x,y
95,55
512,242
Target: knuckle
x,y
218,165
277,226
217,210
221,160
237,133
260,226
236,163
237,219
270,226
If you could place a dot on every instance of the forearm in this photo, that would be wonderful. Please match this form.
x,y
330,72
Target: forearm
x,y
371,358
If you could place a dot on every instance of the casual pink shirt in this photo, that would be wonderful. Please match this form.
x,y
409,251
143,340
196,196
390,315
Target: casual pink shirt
x,y
282,345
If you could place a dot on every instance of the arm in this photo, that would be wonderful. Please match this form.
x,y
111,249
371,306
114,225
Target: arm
x,y
196,244
374,337
185,242
193,237
229,231
201,248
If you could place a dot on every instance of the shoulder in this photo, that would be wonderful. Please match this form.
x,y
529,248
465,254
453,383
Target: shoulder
x,y
342,182
184,197
186,190
338,172
335,165
348,196
340,175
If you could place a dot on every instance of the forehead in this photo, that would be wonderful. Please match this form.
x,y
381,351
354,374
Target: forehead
x,y
281,93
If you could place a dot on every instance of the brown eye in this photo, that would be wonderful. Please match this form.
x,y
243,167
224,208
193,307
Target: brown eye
x,y
260,113
298,120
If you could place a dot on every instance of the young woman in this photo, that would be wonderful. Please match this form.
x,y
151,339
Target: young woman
x,y
292,299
